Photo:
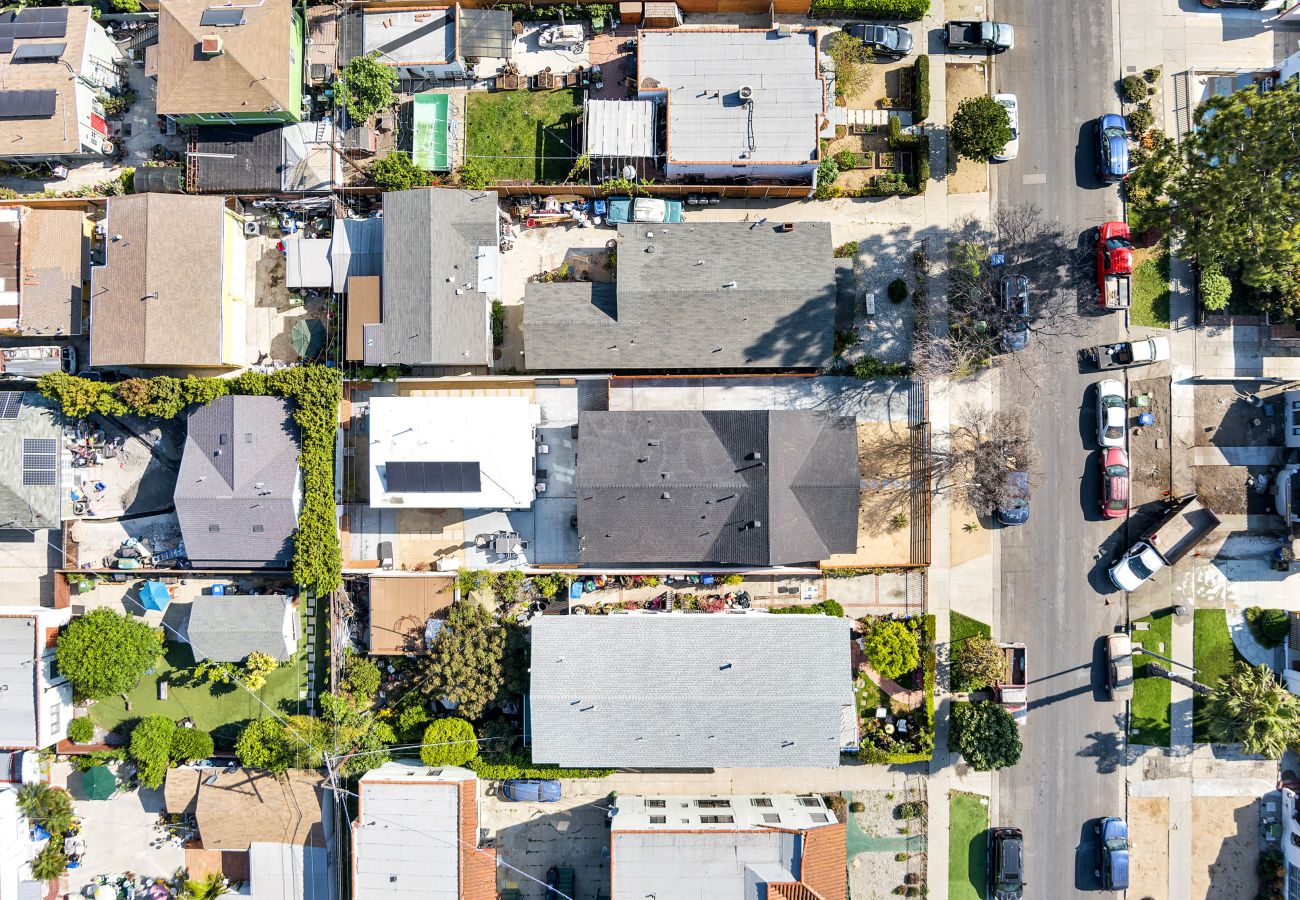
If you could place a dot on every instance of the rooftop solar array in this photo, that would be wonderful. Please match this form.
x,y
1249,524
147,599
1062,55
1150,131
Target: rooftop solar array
x,y
40,460
10,403
37,52
220,16
50,22
434,477
27,104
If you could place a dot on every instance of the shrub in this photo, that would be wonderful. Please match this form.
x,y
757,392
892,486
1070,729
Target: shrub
x,y
847,250
1151,75
846,159
1216,289
473,175
448,742
548,585
411,721
912,809
870,367
980,128
1140,118
733,579
1133,89
1271,627
81,730
892,649
265,744
256,667
921,88
985,735
396,171
976,663
50,863
827,171
151,748
518,765
897,290
898,521
894,131
909,10
825,608
857,806
104,652
361,675
498,323
189,744
871,755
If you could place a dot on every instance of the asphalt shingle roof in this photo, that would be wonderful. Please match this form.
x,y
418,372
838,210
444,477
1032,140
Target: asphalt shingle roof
x,y
227,629
29,505
689,691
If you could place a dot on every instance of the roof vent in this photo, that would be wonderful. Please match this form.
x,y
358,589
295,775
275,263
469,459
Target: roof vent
x,y
746,93
665,496
211,45
731,285
757,523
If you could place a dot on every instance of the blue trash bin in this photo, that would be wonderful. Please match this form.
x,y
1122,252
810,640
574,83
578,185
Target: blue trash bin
x,y
1146,418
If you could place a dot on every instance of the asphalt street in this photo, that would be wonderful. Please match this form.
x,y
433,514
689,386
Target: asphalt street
x,y
1053,591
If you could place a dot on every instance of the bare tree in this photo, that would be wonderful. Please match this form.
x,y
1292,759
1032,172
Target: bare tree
x,y
987,449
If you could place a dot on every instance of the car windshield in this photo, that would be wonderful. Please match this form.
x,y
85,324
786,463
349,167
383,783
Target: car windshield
x,y
887,37
1117,843
1139,568
1117,243
1114,131
1114,431
1112,401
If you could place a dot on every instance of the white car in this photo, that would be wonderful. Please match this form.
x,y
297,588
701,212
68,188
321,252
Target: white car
x,y
1012,149
1112,413
1119,671
1136,567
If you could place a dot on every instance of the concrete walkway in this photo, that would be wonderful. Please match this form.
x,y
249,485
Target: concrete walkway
x,y
1244,640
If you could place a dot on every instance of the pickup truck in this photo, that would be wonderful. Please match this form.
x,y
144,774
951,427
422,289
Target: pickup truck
x,y
1185,524
972,35
623,210
1011,688
1129,353
33,362
1114,265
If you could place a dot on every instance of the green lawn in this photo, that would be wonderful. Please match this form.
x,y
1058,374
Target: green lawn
x,y
522,135
968,835
1213,654
1150,301
963,627
1150,707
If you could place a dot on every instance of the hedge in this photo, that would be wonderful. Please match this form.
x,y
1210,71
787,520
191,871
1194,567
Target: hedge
x,y
870,9
519,765
315,391
921,89
825,608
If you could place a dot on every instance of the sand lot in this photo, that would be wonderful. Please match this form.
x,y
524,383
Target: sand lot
x,y
1225,847
1149,830
962,80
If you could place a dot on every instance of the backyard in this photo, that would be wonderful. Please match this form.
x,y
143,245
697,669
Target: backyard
x,y
1149,723
521,135
967,846
1150,301
1213,655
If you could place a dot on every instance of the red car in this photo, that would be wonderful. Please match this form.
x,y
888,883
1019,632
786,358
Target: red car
x,y
1114,483
1114,265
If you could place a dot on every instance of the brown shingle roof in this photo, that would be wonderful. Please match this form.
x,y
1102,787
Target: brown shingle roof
x,y
245,807
250,74
58,133
52,248
824,867
400,607
171,246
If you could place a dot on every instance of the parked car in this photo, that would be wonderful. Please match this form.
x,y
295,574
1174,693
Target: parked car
x,y
1006,864
1112,853
1012,149
650,210
1119,666
1112,413
975,35
1114,483
536,790
1112,147
893,41
1016,510
1013,299
1243,4
1123,354
1114,265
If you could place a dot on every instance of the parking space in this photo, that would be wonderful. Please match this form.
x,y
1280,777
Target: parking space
x,y
533,837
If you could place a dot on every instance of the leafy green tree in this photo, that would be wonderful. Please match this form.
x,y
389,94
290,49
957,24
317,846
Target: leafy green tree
x,y
464,663
448,742
266,744
189,744
396,171
361,675
985,735
209,888
1251,706
104,653
411,721
256,667
891,649
1216,289
49,807
980,128
151,748
976,663
1235,191
50,863
474,175
366,86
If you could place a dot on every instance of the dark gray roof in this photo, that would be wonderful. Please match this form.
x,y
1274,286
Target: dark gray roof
x,y
237,158
431,247
670,307
227,629
356,248
744,487
484,32
237,492
30,505
689,690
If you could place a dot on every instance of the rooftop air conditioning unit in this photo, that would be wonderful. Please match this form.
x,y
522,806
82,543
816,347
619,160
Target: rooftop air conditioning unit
x,y
746,93
211,45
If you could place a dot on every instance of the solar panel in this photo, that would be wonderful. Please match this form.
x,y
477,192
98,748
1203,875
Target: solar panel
x,y
220,16
27,104
40,445
34,52
6,44
10,403
40,460
434,477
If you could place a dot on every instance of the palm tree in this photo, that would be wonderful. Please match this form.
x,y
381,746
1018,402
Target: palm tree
x,y
51,808
209,888
1251,706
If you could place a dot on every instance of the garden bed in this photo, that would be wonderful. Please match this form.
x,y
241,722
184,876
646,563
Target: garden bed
x,y
521,135
880,744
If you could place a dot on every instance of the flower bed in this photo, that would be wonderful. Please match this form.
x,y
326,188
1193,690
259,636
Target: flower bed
x,y
881,746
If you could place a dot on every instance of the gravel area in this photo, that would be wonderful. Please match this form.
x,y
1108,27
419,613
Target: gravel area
x,y
887,334
874,873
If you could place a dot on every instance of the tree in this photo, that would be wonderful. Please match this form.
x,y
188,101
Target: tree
x,y
1251,706
266,744
151,748
366,86
891,649
361,675
256,667
1234,189
81,730
49,807
189,744
51,862
209,888
986,449
448,742
1216,288
976,663
464,663
104,653
850,55
985,735
980,128
396,171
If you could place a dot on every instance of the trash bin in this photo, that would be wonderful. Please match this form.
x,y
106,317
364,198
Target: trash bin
x,y
218,590
1146,418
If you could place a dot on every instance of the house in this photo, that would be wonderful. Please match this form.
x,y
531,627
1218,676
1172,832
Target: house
x,y
31,476
17,849
44,264
681,691
402,610
747,103
416,836
292,158
172,290
445,452
228,629
221,64
619,134
435,42
740,487
782,847
693,297
36,706
271,828
440,274
57,62
239,490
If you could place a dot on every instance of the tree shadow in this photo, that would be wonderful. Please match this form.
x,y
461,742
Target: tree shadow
x,y
1106,747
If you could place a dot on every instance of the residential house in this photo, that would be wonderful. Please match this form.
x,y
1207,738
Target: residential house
x,y
57,62
439,278
435,42
681,691
416,836
239,490
173,289
740,487
44,265
781,846
222,64
229,159
31,476
697,297
228,629
445,452
36,706
403,610
270,832
747,103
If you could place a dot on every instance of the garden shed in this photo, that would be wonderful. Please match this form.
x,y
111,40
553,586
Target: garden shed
x,y
619,134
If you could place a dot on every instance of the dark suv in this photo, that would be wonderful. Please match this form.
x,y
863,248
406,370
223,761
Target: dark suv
x,y
1006,864
1112,853
1112,147
884,40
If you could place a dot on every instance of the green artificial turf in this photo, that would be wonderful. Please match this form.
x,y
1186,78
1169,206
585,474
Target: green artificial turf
x,y
1149,723
1150,291
1213,655
963,627
968,835
522,135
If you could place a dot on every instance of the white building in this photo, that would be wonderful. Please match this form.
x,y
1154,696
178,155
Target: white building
x,y
17,849
36,706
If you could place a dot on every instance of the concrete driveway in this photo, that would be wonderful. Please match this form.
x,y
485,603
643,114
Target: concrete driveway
x,y
121,835
532,837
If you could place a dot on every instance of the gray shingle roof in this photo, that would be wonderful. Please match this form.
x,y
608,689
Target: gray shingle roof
x,y
746,487
689,690
671,309
432,242
227,629
17,672
238,492
29,505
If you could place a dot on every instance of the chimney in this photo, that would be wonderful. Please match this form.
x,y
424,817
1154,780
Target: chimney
x,y
211,45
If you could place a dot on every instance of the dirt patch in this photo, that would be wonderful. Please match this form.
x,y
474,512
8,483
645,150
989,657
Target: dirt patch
x,y
1225,847
885,466
1232,490
1225,417
962,80
966,542
1148,446
1149,830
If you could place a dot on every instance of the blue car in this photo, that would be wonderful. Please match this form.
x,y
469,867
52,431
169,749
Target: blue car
x,y
535,790
1013,301
1016,510
1112,148
1112,854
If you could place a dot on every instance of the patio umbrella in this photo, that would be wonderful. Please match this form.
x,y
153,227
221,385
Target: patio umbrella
x,y
99,783
154,595
307,337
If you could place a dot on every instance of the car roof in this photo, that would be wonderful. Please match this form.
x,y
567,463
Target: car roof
x,y
1110,119
1110,386
1119,644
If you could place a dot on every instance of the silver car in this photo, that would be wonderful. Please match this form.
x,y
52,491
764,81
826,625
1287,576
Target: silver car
x,y
1112,413
1119,666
